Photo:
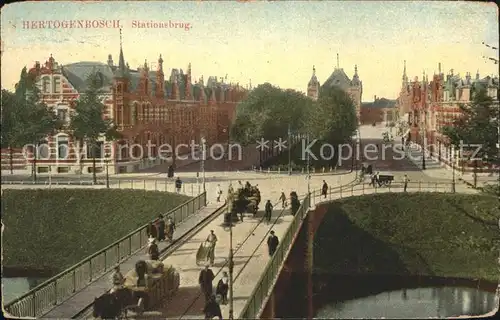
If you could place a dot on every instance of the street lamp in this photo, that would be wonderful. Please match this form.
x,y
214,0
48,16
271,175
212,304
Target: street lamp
x,y
231,268
289,151
424,138
452,156
106,161
308,171
203,155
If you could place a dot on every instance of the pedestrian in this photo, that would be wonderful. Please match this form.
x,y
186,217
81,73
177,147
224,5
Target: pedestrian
x,y
178,185
212,239
283,199
405,181
324,189
153,251
377,178
212,309
152,231
170,228
272,243
205,281
269,211
219,192
240,184
160,225
223,287
118,280
373,179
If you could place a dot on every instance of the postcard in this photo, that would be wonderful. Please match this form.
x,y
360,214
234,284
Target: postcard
x,y
250,159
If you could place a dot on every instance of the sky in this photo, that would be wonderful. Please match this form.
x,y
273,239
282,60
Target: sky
x,y
276,42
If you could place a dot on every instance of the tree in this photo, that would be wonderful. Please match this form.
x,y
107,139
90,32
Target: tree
x,y
477,126
333,118
87,122
269,112
25,118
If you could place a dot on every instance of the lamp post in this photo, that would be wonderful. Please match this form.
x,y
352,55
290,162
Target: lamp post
x,y
289,152
452,156
203,156
106,161
231,268
424,138
308,171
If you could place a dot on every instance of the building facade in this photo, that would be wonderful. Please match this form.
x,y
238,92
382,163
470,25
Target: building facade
x,y
148,107
380,110
431,105
338,78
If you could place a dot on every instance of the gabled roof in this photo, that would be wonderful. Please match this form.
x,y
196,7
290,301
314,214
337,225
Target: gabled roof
x,y
338,79
77,74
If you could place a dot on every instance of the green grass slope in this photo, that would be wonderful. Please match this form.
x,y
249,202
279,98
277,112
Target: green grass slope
x,y
57,228
450,235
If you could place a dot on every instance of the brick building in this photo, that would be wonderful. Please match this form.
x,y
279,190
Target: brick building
x,y
338,78
145,105
431,105
380,110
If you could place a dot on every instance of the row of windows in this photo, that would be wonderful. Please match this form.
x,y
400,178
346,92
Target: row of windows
x,y
53,86
63,150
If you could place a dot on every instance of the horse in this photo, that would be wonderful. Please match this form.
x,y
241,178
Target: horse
x,y
106,307
113,305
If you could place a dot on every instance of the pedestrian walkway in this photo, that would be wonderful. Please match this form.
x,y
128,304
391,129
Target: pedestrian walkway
x,y
249,245
85,297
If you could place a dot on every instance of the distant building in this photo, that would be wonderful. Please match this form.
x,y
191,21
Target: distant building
x,y
144,105
380,110
431,105
339,79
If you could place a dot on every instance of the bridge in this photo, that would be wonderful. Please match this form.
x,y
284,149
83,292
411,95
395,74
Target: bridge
x,y
71,293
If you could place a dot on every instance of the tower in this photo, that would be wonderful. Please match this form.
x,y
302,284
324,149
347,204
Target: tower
x,y
405,77
160,80
313,86
356,91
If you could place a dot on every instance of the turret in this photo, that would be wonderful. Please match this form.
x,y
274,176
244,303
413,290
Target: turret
x,y
160,80
189,92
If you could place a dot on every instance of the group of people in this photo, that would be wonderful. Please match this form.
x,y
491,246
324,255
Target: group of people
x,y
205,280
159,231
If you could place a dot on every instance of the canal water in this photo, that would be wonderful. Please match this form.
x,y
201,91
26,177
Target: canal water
x,y
13,288
425,302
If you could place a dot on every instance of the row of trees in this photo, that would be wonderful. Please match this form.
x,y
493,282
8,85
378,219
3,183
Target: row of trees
x,y
270,112
27,120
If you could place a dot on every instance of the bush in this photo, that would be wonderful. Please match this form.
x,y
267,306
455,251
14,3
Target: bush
x,y
410,234
57,228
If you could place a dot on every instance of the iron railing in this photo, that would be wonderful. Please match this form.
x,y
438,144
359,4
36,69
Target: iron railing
x,y
57,289
256,303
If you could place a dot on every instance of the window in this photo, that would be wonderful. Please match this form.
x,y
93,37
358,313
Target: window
x,y
62,148
98,150
46,85
62,114
57,84
135,117
43,150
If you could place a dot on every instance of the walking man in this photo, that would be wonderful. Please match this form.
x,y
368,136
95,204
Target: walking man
x,y
178,185
269,211
405,181
219,192
205,280
272,243
117,279
223,287
324,189
170,228
283,199
212,239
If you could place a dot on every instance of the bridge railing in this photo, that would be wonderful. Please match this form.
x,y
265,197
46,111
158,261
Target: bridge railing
x,y
57,289
256,303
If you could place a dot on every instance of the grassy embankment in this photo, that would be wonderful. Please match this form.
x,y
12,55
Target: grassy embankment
x,y
54,229
448,235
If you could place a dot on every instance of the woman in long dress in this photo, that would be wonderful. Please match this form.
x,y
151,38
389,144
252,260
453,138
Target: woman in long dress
x,y
170,228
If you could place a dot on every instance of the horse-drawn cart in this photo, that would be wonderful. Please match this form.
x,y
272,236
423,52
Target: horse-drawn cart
x,y
385,179
243,200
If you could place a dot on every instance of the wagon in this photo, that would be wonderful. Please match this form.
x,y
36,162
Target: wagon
x,y
202,254
385,179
